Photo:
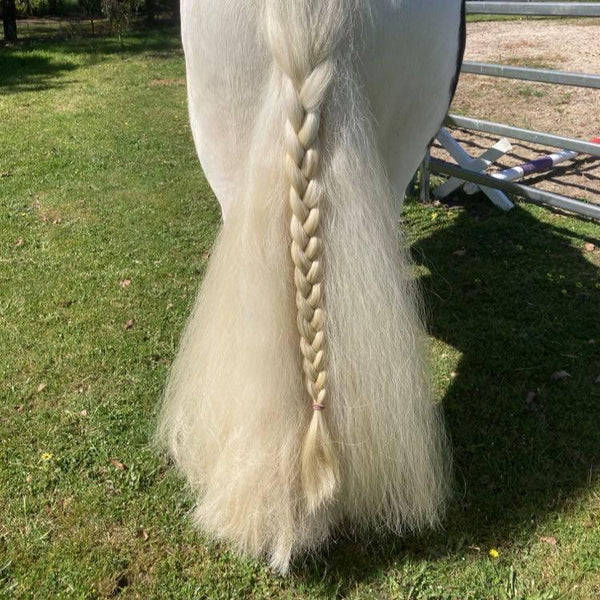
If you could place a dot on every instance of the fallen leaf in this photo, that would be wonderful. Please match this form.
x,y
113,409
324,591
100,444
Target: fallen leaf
x,y
589,247
19,407
118,464
559,375
41,387
142,533
83,413
549,540
459,252
129,324
5,174
125,283
19,242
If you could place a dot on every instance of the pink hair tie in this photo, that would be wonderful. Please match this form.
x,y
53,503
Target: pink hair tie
x,y
318,407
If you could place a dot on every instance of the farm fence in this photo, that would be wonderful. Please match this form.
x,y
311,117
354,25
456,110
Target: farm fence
x,y
471,169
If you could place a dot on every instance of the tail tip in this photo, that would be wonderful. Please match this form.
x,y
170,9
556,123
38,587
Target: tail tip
x,y
320,467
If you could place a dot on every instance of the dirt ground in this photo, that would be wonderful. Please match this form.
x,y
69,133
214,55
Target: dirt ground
x,y
566,45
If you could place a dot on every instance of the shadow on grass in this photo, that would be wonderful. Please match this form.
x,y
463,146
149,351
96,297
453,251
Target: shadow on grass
x,y
519,302
21,72
38,62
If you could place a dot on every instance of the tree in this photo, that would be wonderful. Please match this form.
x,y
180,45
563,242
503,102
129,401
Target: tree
x,y
9,20
175,7
150,6
119,13
91,8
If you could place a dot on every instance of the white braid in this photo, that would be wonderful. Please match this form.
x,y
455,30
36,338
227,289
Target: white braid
x,y
303,102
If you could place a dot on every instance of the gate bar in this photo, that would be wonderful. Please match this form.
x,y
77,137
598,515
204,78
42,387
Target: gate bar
x,y
583,80
541,9
528,135
533,194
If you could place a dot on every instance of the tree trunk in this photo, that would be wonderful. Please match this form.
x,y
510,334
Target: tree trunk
x,y
150,11
176,12
9,19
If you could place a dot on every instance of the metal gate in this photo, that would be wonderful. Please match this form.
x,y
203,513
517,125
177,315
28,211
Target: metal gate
x,y
472,170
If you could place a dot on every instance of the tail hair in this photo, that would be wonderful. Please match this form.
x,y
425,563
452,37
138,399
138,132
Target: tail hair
x,y
276,469
301,38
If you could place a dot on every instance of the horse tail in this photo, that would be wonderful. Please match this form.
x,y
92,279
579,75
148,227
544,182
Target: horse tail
x,y
311,237
375,449
302,38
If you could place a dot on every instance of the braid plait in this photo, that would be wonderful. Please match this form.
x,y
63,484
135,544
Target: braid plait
x,y
303,100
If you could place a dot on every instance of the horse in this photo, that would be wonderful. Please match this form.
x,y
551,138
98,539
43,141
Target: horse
x,y
298,404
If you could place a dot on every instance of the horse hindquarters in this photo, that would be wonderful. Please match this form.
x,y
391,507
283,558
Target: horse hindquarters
x,y
238,404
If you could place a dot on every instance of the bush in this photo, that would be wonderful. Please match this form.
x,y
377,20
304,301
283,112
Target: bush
x,y
42,8
119,13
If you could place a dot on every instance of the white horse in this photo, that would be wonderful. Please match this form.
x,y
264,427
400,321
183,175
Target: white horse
x,y
298,403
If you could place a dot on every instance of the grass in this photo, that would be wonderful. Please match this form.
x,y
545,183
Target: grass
x,y
106,224
530,91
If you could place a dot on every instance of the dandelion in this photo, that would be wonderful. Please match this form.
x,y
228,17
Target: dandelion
x,y
46,456
494,553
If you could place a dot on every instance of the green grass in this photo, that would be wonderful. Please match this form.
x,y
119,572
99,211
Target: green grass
x,y
100,185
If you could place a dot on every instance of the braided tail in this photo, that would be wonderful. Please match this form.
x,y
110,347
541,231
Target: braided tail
x,y
319,462
307,76
276,468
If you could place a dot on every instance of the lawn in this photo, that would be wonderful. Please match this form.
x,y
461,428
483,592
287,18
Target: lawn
x,y
106,225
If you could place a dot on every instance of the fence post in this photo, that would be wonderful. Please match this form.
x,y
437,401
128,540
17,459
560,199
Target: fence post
x,y
424,188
